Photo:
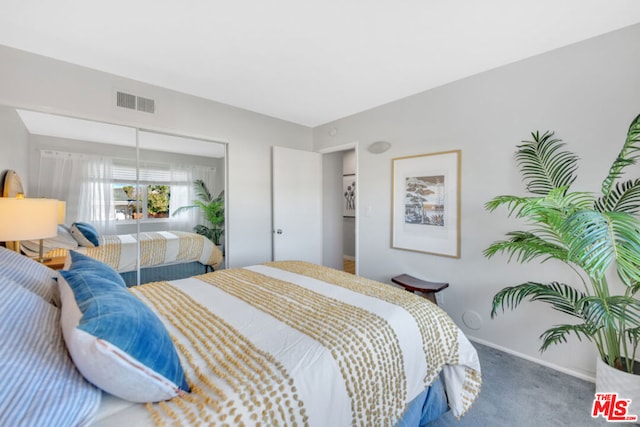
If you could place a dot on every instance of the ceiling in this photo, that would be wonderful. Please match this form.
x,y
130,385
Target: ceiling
x,y
305,61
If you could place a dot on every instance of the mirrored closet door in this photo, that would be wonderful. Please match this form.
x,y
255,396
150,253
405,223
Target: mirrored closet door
x,y
149,197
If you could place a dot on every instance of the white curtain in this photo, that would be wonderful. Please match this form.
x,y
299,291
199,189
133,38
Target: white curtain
x,y
84,182
96,195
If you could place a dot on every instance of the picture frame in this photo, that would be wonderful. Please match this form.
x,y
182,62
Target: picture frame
x,y
426,203
349,196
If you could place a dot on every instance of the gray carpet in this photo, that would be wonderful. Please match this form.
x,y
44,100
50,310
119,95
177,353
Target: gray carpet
x,y
519,393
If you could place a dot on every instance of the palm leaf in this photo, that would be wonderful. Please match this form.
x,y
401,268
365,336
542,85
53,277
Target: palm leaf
x,y
556,202
202,192
544,167
627,156
610,312
526,246
624,197
562,297
597,239
558,334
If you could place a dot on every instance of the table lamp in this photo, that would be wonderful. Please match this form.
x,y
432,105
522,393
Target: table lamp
x,y
28,219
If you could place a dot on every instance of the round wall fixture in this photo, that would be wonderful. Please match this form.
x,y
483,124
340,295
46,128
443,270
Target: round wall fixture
x,y
379,147
472,320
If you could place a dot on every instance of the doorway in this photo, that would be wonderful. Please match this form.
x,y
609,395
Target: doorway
x,y
340,202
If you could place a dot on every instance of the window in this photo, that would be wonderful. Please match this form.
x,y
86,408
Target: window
x,y
149,201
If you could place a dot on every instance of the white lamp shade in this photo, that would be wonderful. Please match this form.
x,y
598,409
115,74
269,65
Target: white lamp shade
x,y
27,219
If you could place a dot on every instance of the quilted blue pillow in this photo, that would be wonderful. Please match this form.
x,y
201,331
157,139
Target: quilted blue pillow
x,y
116,341
86,264
85,234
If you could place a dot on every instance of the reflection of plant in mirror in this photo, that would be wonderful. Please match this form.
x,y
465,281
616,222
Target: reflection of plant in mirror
x,y
212,209
158,200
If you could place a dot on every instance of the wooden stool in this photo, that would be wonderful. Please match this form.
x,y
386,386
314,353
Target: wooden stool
x,y
413,284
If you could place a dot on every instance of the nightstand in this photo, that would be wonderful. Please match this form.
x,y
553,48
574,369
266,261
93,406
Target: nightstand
x,y
56,263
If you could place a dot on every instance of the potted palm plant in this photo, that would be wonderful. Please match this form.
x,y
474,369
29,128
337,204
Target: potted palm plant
x,y
213,212
593,234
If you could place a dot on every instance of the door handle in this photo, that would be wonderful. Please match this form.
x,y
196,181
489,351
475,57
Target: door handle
x,y
278,231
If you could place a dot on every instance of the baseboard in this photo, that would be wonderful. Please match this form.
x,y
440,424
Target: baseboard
x,y
555,367
349,257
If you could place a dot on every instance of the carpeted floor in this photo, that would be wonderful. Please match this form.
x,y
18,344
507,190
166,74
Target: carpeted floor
x,y
519,393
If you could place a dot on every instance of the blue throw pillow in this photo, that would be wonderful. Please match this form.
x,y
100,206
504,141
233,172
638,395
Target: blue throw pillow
x,y
85,234
116,341
81,262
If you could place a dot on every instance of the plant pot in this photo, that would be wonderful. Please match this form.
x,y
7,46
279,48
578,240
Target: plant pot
x,y
612,380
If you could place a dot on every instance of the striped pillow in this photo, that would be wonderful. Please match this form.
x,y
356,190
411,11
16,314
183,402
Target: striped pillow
x,y
39,384
29,274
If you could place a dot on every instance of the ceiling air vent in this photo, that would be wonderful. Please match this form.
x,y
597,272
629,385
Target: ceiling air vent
x,y
147,105
132,102
126,100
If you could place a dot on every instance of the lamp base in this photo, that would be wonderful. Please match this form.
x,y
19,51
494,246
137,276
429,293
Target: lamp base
x,y
41,258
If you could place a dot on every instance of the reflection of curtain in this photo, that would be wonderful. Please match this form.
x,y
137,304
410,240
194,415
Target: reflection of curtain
x,y
84,182
96,194
59,177
183,194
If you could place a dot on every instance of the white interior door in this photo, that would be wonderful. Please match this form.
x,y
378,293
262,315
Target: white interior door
x,y
297,205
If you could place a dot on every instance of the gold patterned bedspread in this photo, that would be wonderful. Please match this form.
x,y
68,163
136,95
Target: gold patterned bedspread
x,y
331,349
156,248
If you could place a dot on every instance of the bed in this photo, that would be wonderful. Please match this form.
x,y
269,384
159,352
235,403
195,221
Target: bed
x,y
163,254
282,343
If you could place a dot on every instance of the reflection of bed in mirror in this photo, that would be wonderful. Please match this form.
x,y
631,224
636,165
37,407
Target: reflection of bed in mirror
x,y
163,255
295,344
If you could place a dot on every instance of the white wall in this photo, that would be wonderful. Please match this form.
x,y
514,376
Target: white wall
x,y
588,93
35,82
14,146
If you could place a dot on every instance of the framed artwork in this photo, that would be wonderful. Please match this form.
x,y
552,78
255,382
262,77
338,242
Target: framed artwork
x,y
349,196
426,203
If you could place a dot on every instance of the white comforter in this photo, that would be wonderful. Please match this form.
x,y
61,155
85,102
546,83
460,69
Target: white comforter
x,y
329,379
